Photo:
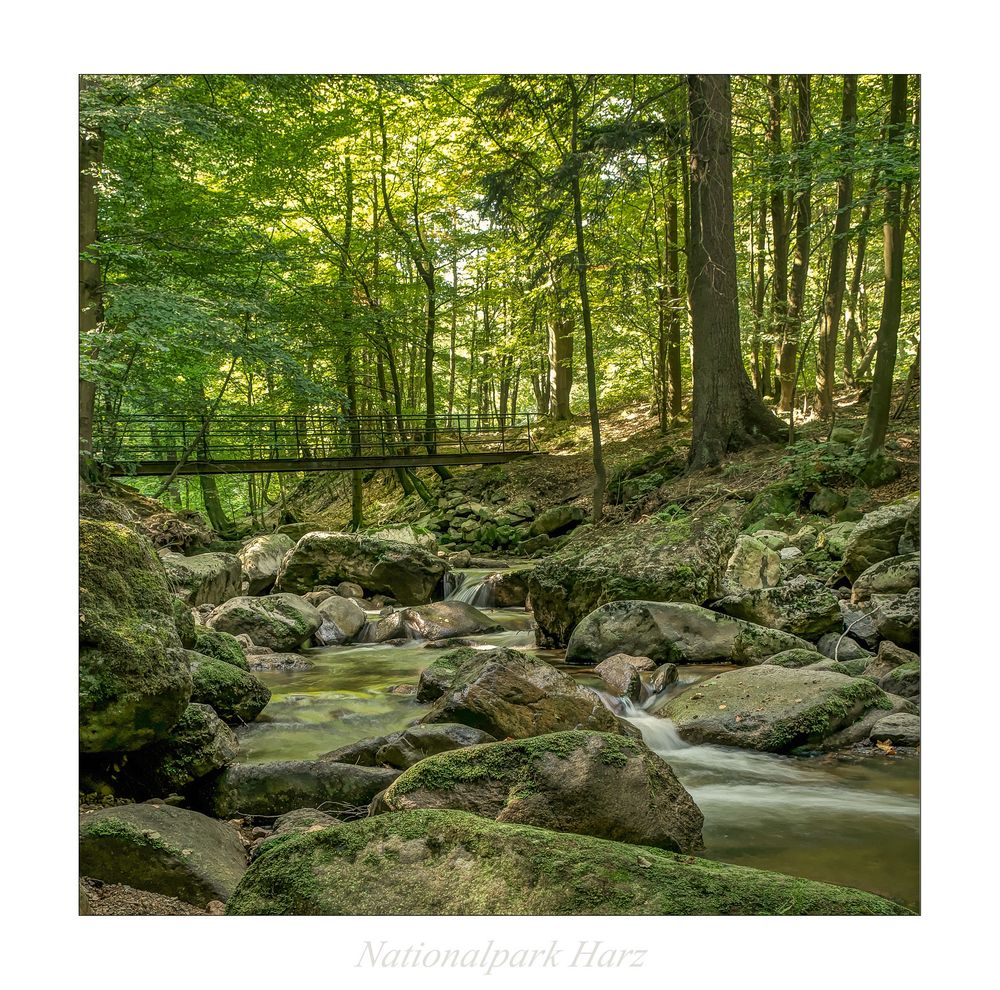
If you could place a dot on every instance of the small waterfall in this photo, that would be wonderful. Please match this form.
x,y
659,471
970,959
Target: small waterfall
x,y
452,583
471,586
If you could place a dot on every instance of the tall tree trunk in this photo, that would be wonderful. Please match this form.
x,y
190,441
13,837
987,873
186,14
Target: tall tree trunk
x,y
727,412
759,290
779,224
851,328
600,476
826,357
560,351
454,335
892,298
676,299
91,299
801,126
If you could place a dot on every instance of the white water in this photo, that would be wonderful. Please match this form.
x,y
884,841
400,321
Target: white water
x,y
470,586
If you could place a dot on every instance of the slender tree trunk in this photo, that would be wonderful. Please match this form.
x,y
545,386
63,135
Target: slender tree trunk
x,y
560,351
851,328
826,357
727,412
600,476
779,225
892,239
676,298
454,335
759,290
91,299
801,125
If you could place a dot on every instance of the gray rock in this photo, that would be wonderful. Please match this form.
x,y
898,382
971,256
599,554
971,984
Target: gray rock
x,y
264,789
859,624
260,559
892,576
675,633
585,782
900,729
621,673
897,617
909,542
751,566
834,539
160,848
875,537
281,622
794,658
800,606
441,620
556,520
789,553
204,578
343,621
837,646
404,749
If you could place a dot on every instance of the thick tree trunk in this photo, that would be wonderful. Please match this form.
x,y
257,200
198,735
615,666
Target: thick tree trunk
x,y
676,299
727,412
826,358
888,328
561,331
91,300
787,359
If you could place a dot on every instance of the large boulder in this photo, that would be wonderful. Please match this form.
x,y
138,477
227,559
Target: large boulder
x,y
622,674
406,573
775,709
206,578
892,576
674,632
440,620
280,622
895,670
900,729
679,561
506,589
556,520
413,536
833,539
236,695
134,678
168,850
909,542
455,863
800,606
294,823
876,537
402,749
199,744
260,560
343,620
221,645
751,566
269,789
897,617
587,782
511,694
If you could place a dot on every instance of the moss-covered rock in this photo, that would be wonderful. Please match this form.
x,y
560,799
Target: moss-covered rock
x,y
294,823
236,695
751,566
672,632
682,560
892,576
834,538
772,708
897,617
795,658
586,782
402,750
260,559
167,850
269,789
406,573
205,578
455,863
800,606
439,620
875,537
134,677
436,679
199,744
280,622
221,645
780,499
511,694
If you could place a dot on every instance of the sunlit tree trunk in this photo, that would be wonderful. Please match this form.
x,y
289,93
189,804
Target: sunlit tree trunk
x,y
779,223
826,358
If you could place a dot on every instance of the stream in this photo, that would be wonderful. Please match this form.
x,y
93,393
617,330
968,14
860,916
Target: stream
x,y
851,819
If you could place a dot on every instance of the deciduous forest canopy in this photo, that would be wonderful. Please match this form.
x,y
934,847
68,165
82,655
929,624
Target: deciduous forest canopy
x,y
436,245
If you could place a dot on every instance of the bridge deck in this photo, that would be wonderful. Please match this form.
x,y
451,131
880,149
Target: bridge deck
x,y
186,445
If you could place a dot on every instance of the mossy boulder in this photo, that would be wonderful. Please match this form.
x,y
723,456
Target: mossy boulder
x,y
280,622
678,561
909,542
221,645
623,674
900,729
199,744
436,679
403,749
134,678
406,573
895,670
556,520
455,863
269,789
260,559
752,565
296,822
875,537
892,576
205,578
795,658
439,620
800,606
511,694
673,632
834,539
167,850
592,783
506,589
343,620
772,708
236,695
897,617
780,499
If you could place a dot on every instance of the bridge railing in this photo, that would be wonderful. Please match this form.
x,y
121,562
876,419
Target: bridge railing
x,y
308,435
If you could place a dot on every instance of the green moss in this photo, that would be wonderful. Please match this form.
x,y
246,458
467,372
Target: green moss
x,y
905,671
820,720
513,869
126,832
236,695
220,645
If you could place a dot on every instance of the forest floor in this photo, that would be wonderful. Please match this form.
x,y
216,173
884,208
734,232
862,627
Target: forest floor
x,y
563,471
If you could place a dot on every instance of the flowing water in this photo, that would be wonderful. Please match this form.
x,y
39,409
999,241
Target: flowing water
x,y
843,818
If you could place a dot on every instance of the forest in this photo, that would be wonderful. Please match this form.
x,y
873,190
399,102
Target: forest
x,y
605,387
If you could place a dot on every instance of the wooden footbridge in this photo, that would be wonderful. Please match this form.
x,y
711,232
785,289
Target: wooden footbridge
x,y
251,444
